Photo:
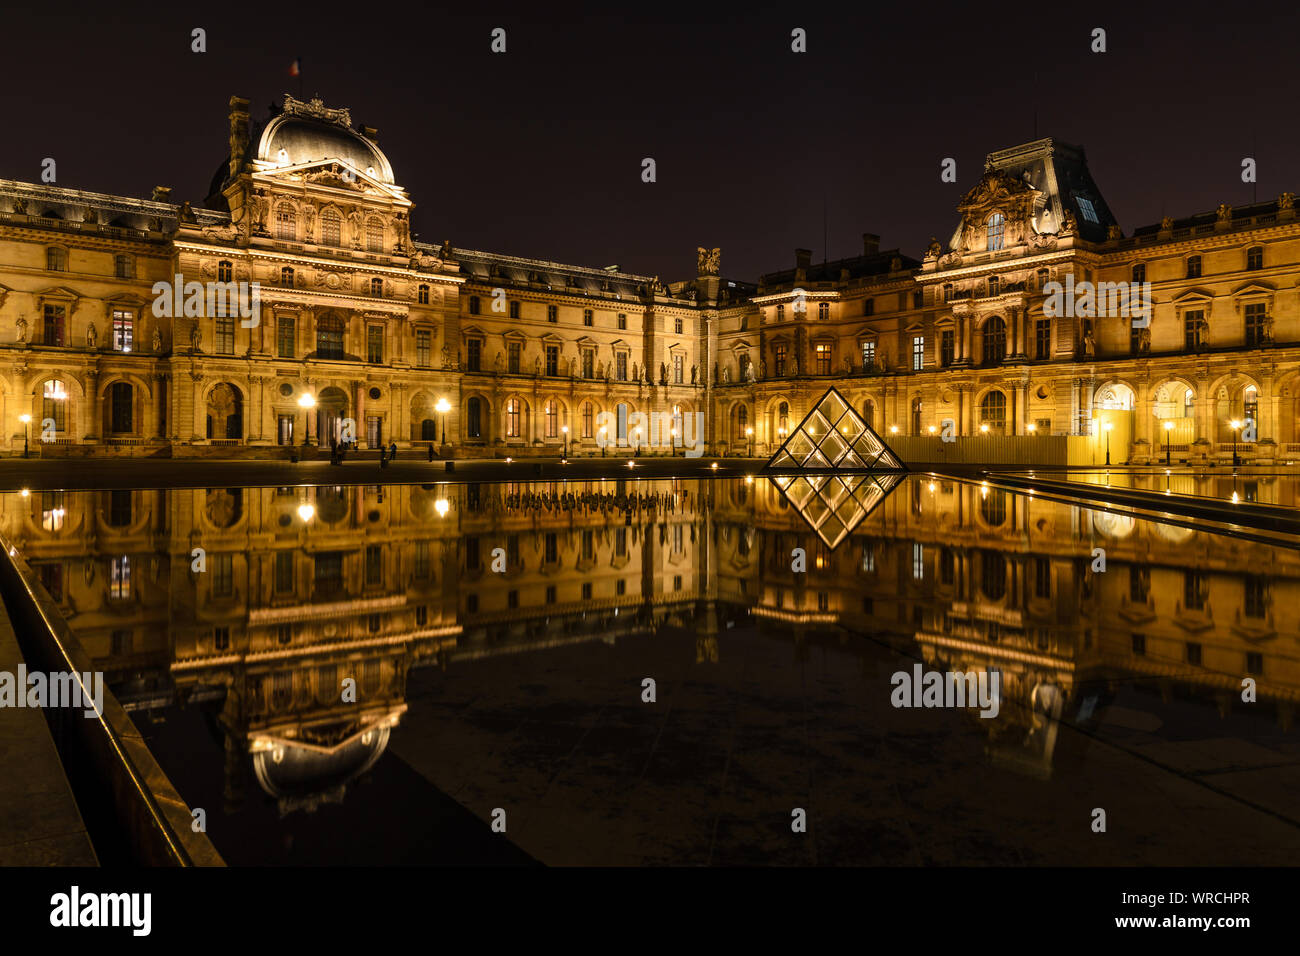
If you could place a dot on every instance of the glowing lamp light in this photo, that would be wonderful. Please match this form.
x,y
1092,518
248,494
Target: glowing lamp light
x,y
443,406
714,466
984,428
26,492
1169,426
441,506
933,429
893,429
25,419
307,400
1109,425
749,430
1031,428
306,511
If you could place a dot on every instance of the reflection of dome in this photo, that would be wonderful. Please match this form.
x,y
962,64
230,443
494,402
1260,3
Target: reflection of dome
x,y
304,777
305,140
1113,525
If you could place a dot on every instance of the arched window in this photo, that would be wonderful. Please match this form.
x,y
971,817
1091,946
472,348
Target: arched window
x,y
225,271
869,413
993,411
916,415
742,423
1250,404
286,222
588,414
329,337
1189,404
331,228
56,260
995,340
474,418
374,235
621,422
993,575
993,506
997,226
55,403
552,411
119,402
782,420
513,416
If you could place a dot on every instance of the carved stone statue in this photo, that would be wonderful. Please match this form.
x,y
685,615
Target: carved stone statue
x,y
1167,224
446,356
1089,345
496,362
726,376
762,367
715,373
708,262
20,334
1113,232
1286,201
935,248
1144,340
20,207
1068,224
537,365
196,337
309,223
157,341
1224,212
663,374
1266,332
749,371
445,252
92,336
187,213
694,370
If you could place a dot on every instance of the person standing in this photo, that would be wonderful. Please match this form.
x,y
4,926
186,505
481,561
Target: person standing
x,y
392,451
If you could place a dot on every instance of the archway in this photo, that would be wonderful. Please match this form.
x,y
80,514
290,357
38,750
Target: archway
x,y
331,409
225,412
1173,405
1113,406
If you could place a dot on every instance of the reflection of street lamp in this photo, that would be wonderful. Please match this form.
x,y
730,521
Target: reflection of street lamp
x,y
442,408
893,429
305,511
1031,428
26,420
565,429
1107,427
984,428
749,433
441,506
307,401
1169,427
1234,425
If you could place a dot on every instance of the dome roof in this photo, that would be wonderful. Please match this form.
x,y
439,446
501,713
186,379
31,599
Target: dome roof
x,y
305,140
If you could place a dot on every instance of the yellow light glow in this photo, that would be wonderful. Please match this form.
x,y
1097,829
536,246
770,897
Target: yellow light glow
x,y
307,400
26,492
1169,426
442,506
25,419
443,406
985,428
1031,428
305,512
893,429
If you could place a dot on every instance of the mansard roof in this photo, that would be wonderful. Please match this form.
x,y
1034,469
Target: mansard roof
x,y
864,266
84,210
556,276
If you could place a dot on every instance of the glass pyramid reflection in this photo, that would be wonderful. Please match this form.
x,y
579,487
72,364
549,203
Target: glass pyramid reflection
x,y
833,437
833,505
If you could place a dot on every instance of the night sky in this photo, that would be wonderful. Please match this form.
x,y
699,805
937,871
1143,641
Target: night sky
x,y
538,152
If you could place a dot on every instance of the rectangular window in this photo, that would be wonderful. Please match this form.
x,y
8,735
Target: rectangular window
x,y
473,560
918,352
822,357
552,360
284,429
1043,338
121,643
552,548
1042,578
284,335
1255,258
514,309
119,579
1139,645
1193,591
1194,654
55,318
473,305
1255,663
374,565
588,318
918,561
1140,272
283,572
374,431
223,575
1255,325
328,573
622,321
119,508
514,351
474,355
588,363
1193,267
868,306
1193,322
423,347
779,359
421,559
678,370
620,366
225,337
868,356
374,343
552,313
947,347
123,330
677,326
1256,603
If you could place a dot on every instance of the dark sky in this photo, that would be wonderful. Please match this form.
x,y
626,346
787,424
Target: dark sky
x,y
538,152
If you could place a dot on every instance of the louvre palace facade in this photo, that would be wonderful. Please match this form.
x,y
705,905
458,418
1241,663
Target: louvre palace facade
x,y
360,326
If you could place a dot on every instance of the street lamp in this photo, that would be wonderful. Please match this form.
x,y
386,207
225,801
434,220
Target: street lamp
x,y
1234,425
984,428
1031,428
442,408
749,433
26,420
1169,427
1107,427
565,430
306,401
637,447
602,440
672,443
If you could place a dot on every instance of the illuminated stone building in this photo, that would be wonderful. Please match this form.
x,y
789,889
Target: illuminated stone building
x,y
359,322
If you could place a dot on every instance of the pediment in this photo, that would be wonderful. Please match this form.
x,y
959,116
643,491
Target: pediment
x,y
1255,288
58,292
329,174
1194,295
550,338
474,330
994,188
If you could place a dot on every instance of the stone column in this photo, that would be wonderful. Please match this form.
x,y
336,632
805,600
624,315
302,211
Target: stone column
x,y
159,404
359,402
94,423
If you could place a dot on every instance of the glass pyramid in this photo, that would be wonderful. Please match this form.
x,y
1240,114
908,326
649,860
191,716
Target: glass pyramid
x,y
833,505
833,437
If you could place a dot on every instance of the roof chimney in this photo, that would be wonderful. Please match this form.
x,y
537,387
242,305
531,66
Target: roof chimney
x,y
870,243
802,258
238,134
161,194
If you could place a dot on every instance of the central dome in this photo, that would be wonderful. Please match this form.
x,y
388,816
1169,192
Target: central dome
x,y
308,133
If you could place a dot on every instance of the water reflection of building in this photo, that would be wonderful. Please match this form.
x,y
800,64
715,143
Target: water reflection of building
x,y
371,583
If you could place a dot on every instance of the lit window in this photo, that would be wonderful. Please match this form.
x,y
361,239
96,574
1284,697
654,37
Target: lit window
x,y
331,228
997,225
1085,207
122,329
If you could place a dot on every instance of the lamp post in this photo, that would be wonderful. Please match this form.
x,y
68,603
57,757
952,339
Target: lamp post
x,y
565,430
1107,427
1031,428
306,401
27,421
1234,425
442,408
749,433
984,428
636,434
1169,427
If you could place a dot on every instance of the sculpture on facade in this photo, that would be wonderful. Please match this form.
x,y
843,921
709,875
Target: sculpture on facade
x,y
157,341
1089,344
934,249
1286,201
92,336
707,261
446,356
749,371
496,362
694,369
196,337
20,333
1224,213
663,374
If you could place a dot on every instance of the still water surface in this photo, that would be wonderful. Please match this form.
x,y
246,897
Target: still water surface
x,y
499,638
